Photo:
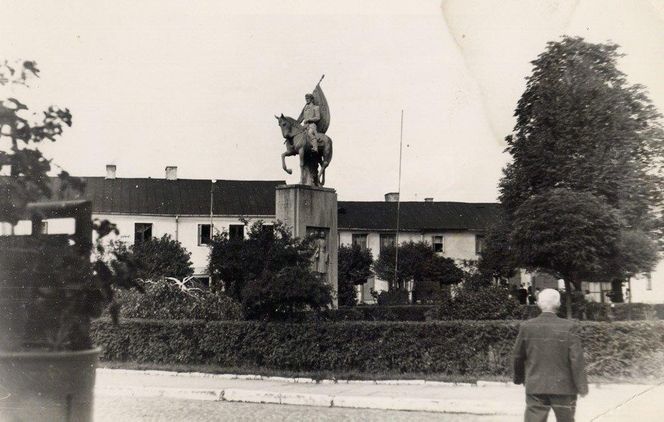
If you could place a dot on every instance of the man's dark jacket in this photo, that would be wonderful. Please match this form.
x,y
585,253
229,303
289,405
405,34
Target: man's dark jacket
x,y
548,357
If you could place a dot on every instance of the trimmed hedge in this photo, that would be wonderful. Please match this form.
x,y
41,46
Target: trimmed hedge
x,y
475,348
378,313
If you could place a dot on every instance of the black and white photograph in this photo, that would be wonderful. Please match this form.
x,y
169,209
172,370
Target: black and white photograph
x,y
309,210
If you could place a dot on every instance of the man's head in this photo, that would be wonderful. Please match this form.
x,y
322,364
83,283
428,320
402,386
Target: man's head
x,y
549,300
309,98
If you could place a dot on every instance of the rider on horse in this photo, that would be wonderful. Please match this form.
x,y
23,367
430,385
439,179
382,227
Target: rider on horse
x,y
311,116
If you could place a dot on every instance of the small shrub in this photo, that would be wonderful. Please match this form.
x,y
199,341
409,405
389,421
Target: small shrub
x,y
487,303
393,297
378,313
165,300
632,311
659,310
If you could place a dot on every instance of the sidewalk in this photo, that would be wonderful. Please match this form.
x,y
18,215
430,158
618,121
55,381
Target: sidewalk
x,y
606,402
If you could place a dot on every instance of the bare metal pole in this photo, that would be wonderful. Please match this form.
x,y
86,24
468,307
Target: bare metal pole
x,y
396,254
211,207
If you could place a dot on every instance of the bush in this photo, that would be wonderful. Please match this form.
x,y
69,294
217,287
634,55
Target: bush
x,y
378,313
487,303
354,269
632,311
165,300
393,297
417,262
156,258
474,348
270,272
659,310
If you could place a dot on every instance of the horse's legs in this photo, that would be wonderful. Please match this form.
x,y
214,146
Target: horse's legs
x,y
323,166
302,165
283,161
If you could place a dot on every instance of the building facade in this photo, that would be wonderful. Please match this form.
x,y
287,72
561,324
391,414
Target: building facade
x,y
192,211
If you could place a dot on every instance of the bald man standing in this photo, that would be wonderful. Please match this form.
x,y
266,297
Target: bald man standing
x,y
548,359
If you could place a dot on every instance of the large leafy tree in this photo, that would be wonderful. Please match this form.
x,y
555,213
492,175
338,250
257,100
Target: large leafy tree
x,y
270,272
417,262
583,128
354,270
158,257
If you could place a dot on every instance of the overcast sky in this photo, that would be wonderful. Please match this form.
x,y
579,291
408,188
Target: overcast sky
x,y
196,83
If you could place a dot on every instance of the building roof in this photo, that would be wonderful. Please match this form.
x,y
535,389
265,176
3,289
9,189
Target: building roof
x,y
143,196
416,216
180,196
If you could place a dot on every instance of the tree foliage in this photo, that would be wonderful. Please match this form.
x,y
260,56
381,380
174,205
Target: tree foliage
x,y
585,137
61,289
354,269
573,233
270,272
417,262
21,132
159,257
497,259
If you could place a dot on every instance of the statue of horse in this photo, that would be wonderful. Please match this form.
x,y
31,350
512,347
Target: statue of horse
x,y
298,143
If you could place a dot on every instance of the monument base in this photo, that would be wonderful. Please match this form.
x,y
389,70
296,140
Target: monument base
x,y
311,210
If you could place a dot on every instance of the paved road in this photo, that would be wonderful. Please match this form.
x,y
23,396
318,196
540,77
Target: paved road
x,y
128,409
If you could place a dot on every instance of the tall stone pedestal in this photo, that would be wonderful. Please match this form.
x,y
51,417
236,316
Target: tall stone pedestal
x,y
311,210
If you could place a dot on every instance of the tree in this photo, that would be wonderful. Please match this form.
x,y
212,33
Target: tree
x,y
582,127
354,269
417,262
159,257
270,272
54,288
28,180
572,234
497,259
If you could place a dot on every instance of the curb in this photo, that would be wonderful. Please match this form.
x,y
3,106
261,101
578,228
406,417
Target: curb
x,y
300,380
316,400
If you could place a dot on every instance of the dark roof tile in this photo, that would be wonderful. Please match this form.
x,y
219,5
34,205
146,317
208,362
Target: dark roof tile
x,y
417,216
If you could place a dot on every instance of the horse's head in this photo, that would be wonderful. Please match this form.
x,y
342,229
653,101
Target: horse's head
x,y
287,125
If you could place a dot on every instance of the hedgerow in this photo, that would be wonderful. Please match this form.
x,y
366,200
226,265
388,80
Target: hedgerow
x,y
474,348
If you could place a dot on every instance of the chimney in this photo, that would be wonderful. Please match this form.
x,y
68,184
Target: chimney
x,y
171,173
392,197
428,199
110,171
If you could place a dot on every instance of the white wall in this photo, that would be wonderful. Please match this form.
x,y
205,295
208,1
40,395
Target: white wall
x,y
457,245
649,292
185,230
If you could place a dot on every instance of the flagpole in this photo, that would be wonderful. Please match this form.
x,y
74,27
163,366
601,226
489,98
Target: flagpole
x,y
396,254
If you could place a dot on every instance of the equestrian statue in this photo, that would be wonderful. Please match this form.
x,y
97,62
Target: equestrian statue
x,y
306,138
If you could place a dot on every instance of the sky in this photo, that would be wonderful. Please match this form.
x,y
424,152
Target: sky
x,y
196,84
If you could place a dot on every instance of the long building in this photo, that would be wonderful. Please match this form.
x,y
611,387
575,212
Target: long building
x,y
192,210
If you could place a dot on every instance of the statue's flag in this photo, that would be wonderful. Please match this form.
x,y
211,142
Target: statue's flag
x,y
321,102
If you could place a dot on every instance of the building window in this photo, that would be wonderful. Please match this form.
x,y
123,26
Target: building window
x,y
142,232
479,244
204,234
360,240
387,241
437,244
236,231
43,227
